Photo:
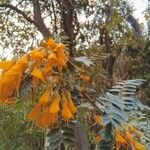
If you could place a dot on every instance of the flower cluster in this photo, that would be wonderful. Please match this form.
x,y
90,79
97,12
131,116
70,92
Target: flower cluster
x,y
127,140
10,78
51,107
44,66
39,64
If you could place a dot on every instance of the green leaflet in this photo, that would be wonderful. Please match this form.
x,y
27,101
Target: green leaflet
x,y
60,138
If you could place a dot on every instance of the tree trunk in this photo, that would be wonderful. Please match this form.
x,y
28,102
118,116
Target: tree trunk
x,y
81,138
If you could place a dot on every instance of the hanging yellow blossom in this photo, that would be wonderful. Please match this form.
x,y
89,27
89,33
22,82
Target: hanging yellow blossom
x,y
15,70
70,103
50,43
42,117
37,55
54,106
42,64
138,146
47,68
45,97
71,106
66,113
34,114
6,65
62,59
46,119
23,60
37,73
120,140
11,80
52,59
60,47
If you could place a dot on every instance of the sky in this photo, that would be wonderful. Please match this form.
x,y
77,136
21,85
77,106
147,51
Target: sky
x,y
140,7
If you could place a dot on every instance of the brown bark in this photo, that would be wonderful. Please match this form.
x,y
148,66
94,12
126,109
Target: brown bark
x,y
68,15
39,20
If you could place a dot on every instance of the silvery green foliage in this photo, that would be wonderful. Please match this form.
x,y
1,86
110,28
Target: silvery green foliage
x,y
127,91
60,138
120,106
121,99
86,60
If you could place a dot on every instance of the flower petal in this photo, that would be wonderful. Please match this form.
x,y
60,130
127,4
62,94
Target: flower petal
x,y
71,106
45,97
37,73
66,113
54,107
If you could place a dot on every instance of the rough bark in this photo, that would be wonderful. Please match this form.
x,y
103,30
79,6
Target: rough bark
x,y
68,15
81,138
39,20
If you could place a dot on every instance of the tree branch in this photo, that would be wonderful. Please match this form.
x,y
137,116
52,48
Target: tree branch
x,y
18,11
39,20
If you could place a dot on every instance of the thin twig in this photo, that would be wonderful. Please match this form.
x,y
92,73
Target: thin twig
x,y
91,101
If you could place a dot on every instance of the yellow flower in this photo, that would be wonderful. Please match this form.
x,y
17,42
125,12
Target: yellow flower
x,y
52,59
15,70
54,107
70,103
46,119
6,65
10,80
45,97
37,73
60,63
47,68
37,55
34,114
66,113
23,60
120,140
42,117
51,43
62,59
138,146
71,106
60,47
